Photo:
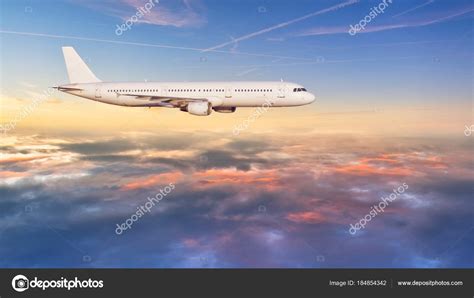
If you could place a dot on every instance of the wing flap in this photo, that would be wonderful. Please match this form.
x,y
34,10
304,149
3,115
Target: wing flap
x,y
168,100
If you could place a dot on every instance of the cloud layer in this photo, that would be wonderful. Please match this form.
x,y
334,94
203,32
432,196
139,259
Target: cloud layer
x,y
277,202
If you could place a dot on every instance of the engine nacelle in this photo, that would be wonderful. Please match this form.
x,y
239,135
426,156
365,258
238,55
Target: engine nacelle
x,y
225,109
201,108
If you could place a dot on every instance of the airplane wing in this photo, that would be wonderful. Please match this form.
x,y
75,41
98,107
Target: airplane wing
x,y
166,101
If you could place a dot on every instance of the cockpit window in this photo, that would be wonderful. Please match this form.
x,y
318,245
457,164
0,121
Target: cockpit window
x,y
299,89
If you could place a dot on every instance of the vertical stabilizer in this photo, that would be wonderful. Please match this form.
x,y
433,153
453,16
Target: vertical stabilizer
x,y
77,70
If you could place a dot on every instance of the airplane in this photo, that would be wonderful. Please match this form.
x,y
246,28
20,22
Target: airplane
x,y
196,98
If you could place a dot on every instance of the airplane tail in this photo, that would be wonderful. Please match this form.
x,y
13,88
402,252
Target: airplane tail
x,y
77,70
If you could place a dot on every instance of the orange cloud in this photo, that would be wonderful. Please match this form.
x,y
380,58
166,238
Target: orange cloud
x,y
364,169
435,162
309,217
268,179
153,180
15,159
393,164
384,158
10,174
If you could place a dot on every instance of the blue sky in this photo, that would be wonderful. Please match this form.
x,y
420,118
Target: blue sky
x,y
435,40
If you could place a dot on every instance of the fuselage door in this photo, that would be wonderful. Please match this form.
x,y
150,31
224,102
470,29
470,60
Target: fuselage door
x,y
164,91
281,91
228,92
97,91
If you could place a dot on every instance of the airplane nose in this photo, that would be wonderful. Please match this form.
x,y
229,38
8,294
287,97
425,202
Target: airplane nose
x,y
309,97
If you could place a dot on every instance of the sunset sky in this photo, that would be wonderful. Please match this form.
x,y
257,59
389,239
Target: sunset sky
x,y
393,106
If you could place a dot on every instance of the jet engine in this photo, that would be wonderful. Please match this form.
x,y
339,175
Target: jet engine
x,y
201,108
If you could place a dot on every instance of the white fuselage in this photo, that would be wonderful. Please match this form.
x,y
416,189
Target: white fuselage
x,y
220,94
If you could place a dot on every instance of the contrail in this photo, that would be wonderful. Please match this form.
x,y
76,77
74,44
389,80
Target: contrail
x,y
413,8
149,45
281,25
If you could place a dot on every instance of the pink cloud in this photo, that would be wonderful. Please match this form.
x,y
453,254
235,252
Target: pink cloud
x,y
183,13
266,179
159,179
189,242
309,217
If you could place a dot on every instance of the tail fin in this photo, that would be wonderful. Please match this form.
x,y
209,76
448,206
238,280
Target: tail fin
x,y
77,70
